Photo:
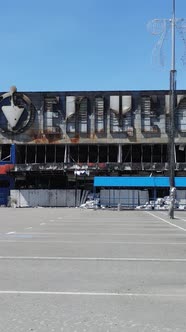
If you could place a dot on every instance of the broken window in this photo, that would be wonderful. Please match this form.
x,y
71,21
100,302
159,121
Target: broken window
x,y
31,154
156,153
21,154
50,153
77,114
149,106
181,114
83,153
74,153
60,153
93,153
136,153
164,153
99,115
41,154
113,153
82,114
146,153
70,114
121,114
51,115
126,153
103,153
5,152
180,153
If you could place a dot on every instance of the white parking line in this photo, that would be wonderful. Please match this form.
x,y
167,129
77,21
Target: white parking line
x,y
9,233
98,234
181,219
177,216
115,259
102,222
90,242
17,292
167,222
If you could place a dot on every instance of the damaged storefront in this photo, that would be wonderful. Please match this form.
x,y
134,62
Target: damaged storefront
x,y
58,142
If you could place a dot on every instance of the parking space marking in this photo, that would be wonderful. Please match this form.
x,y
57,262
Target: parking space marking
x,y
89,242
97,234
166,221
18,292
181,219
101,222
115,259
177,217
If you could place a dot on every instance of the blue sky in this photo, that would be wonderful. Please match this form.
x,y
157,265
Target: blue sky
x,y
62,45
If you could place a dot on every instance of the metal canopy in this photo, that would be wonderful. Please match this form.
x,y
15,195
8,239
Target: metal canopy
x,y
132,181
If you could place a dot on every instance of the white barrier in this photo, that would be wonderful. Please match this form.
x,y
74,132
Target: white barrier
x,y
44,197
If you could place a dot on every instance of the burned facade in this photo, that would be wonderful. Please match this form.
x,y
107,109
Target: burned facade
x,y
62,140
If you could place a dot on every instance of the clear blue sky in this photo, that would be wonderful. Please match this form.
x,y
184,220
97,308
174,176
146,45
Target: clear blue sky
x,y
61,45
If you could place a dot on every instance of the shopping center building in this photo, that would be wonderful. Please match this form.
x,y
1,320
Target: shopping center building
x,y
59,143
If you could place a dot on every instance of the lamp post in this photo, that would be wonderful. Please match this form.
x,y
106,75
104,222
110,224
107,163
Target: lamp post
x,y
159,27
172,121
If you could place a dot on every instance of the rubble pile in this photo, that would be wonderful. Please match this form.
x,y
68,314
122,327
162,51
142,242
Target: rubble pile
x,y
161,204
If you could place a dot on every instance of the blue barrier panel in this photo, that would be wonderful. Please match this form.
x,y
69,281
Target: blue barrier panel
x,y
6,184
135,181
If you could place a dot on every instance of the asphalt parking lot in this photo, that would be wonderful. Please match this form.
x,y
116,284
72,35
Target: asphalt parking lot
x,y
85,270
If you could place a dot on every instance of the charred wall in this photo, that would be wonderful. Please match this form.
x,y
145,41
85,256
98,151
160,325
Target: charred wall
x,y
65,137
90,117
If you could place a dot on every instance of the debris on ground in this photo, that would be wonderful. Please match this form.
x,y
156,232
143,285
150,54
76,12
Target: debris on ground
x,y
160,204
90,204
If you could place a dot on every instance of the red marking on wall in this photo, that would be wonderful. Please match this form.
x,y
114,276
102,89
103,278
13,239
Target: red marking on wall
x,y
75,139
91,164
101,165
4,169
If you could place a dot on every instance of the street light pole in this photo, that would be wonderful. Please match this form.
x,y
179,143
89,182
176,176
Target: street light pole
x,y
172,119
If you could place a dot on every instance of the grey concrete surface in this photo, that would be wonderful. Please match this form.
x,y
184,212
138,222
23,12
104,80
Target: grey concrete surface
x,y
84,270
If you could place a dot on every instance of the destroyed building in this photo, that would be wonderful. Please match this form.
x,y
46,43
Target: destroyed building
x,y
54,141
